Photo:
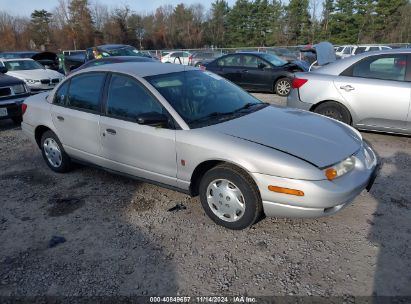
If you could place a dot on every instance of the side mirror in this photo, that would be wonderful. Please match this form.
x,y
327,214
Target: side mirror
x,y
152,119
262,65
3,69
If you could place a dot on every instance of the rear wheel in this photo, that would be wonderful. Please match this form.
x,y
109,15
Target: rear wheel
x,y
334,110
230,197
283,86
53,153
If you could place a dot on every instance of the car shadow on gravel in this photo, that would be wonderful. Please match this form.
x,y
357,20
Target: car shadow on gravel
x,y
391,229
67,235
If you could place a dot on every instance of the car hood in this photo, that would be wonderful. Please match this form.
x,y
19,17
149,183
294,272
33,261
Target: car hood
x,y
7,80
318,140
35,74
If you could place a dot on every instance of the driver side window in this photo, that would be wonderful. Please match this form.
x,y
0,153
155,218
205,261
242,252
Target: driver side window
x,y
127,99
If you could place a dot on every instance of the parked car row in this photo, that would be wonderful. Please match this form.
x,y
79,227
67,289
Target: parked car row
x,y
345,51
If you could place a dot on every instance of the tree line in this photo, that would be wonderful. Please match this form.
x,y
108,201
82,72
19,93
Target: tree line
x,y
78,24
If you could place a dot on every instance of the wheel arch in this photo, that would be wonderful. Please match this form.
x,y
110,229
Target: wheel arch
x,y
205,166
39,131
348,108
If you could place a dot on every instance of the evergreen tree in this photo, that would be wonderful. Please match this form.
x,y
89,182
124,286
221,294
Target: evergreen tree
x,y
343,24
40,27
298,22
389,13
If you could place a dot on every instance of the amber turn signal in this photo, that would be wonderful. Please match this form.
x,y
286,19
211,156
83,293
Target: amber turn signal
x,y
286,190
331,173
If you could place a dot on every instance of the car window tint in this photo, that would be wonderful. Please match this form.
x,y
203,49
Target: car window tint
x,y
347,50
250,61
127,99
233,60
374,48
61,94
387,68
84,91
360,50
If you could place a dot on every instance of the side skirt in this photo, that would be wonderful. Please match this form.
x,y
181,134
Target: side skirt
x,y
141,179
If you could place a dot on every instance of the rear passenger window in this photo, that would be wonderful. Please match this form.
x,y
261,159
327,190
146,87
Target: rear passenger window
x,y
84,92
228,61
127,99
61,94
388,67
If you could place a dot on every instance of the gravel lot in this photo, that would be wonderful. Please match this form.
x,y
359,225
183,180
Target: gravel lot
x,y
120,238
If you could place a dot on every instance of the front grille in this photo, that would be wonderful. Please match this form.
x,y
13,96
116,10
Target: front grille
x,y
5,92
55,80
45,81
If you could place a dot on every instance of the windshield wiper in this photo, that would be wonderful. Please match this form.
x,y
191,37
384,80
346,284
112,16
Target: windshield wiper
x,y
214,115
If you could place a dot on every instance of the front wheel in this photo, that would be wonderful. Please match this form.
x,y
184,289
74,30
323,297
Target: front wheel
x,y
283,86
334,110
53,153
230,197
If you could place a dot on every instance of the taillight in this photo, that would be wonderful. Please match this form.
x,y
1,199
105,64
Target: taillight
x,y
298,83
190,59
23,108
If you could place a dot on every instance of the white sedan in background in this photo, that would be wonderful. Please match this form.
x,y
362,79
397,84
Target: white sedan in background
x,y
35,75
179,57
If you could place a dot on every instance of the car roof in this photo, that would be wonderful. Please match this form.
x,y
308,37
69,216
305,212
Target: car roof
x,y
339,66
112,46
18,59
140,69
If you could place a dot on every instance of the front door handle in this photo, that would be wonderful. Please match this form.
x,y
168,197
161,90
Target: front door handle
x,y
111,131
347,88
61,118
245,71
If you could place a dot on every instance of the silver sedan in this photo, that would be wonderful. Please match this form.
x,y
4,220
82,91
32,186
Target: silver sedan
x,y
198,133
371,91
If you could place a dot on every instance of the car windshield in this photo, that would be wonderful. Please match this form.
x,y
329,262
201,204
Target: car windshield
x,y
273,59
203,98
20,65
123,51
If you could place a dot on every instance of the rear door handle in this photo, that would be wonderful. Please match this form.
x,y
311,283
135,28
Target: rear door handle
x,y
61,118
245,71
347,88
111,131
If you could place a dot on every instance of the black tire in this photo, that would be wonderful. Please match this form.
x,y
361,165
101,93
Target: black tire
x,y
282,86
334,110
65,164
17,120
248,188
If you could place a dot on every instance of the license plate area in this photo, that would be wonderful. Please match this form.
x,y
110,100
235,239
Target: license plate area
x,y
3,112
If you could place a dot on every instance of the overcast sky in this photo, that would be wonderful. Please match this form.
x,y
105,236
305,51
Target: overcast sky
x,y
26,7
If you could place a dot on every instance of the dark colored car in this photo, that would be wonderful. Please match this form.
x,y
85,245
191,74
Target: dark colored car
x,y
13,92
15,55
72,60
200,58
256,71
110,60
111,50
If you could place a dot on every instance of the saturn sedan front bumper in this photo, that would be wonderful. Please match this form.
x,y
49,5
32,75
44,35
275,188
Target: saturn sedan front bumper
x,y
321,197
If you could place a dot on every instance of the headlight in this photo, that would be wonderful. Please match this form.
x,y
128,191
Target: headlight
x,y
340,169
31,81
19,89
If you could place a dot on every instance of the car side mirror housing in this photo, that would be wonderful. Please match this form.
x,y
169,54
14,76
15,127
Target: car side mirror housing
x,y
152,119
262,65
3,69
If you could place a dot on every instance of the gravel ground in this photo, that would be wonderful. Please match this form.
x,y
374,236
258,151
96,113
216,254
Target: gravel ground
x,y
89,232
